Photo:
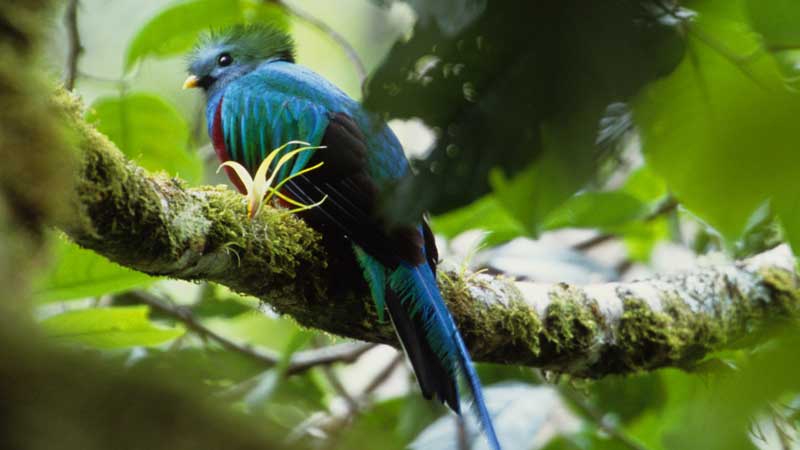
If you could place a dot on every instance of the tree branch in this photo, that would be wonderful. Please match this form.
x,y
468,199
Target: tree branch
x,y
75,48
159,226
301,361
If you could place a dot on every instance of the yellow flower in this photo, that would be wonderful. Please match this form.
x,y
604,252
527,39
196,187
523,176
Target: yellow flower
x,y
260,189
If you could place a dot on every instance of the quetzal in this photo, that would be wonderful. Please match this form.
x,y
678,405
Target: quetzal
x,y
258,100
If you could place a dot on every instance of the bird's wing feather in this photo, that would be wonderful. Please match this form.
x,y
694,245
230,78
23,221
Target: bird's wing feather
x,y
255,122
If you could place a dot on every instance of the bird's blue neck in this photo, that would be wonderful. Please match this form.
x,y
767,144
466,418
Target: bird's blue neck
x,y
214,97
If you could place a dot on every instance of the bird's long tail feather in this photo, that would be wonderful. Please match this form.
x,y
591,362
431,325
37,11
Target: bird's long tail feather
x,y
419,295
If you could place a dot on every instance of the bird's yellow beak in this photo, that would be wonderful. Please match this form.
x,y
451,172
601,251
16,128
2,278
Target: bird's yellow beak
x,y
192,82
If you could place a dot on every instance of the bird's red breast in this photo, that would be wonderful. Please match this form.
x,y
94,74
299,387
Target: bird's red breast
x,y
218,141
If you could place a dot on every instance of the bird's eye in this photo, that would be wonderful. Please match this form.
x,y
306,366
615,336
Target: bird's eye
x,y
224,59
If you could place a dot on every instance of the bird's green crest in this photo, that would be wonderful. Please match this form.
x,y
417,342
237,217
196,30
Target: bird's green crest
x,y
252,42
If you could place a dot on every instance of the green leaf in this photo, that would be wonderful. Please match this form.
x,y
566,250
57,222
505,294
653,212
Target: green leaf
x,y
393,423
721,130
207,368
255,328
485,214
720,415
175,29
148,130
613,395
641,237
535,192
521,89
212,304
286,401
603,210
271,381
79,273
777,22
108,328
645,185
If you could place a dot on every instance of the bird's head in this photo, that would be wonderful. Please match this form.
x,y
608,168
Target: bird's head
x,y
223,56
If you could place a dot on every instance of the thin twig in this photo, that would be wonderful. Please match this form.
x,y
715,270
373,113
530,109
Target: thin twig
x,y
360,402
341,353
781,423
382,376
336,383
75,48
120,83
593,242
348,49
300,362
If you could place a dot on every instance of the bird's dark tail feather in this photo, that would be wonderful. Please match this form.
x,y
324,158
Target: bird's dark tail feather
x,y
433,377
432,341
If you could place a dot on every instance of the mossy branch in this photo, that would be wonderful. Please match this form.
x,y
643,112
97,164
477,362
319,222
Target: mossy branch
x,y
156,225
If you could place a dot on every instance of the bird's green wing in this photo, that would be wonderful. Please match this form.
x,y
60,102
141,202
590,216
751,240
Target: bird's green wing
x,y
255,122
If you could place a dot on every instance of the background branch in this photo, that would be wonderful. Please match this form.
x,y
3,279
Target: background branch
x,y
75,47
340,40
159,226
300,362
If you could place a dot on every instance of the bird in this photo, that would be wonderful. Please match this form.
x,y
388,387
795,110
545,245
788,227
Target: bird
x,y
258,99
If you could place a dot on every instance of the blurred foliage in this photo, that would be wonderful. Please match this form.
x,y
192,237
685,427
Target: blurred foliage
x,y
78,400
149,131
176,28
519,90
108,328
395,422
648,120
76,273
711,145
486,214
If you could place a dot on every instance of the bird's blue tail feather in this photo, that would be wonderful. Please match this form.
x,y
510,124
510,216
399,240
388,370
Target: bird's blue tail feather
x,y
417,285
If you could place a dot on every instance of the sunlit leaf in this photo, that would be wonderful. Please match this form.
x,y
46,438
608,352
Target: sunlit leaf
x,y
720,417
645,185
485,214
207,367
79,273
721,129
108,328
148,130
776,21
255,328
602,210
216,302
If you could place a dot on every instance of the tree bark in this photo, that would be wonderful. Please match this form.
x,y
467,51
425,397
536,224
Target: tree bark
x,y
157,225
